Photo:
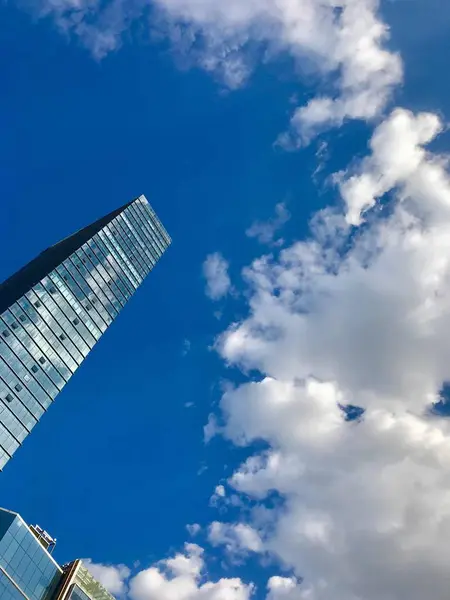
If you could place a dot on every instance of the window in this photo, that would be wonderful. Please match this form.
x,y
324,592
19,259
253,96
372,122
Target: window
x,y
75,321
52,290
62,336
65,277
35,368
42,360
26,377
5,333
93,300
22,318
84,260
37,304
9,398
88,307
18,387
14,325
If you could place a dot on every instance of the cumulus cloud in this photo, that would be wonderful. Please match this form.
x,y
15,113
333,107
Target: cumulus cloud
x,y
265,231
344,41
353,318
215,272
398,159
286,588
181,578
238,538
112,577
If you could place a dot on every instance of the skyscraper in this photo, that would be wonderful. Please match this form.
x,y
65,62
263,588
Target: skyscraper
x,y
29,572
54,310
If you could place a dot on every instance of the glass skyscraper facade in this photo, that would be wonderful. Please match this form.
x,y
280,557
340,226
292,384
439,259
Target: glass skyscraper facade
x,y
55,309
29,572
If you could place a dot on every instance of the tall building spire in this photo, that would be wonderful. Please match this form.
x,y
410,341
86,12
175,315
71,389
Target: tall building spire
x,y
55,309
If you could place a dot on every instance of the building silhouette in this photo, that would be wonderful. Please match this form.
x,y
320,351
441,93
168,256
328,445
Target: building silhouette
x,y
55,309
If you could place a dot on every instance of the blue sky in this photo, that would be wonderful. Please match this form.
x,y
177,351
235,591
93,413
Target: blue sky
x,y
119,466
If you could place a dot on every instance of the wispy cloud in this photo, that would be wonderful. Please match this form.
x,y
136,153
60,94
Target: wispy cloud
x,y
344,43
186,347
193,529
265,231
215,272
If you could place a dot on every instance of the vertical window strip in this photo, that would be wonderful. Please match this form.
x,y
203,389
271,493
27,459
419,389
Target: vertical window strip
x,y
21,354
34,348
113,274
92,283
94,314
120,256
129,245
114,260
145,233
69,312
55,318
154,224
101,278
158,245
18,407
141,238
65,284
38,393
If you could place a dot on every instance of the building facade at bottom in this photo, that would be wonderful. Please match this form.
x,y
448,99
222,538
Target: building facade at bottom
x,y
28,571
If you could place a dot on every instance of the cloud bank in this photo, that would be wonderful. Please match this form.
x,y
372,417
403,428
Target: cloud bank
x,y
181,577
354,317
340,43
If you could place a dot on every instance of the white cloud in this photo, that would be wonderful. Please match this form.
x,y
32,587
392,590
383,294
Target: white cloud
x,y
237,538
264,231
219,495
344,41
220,491
211,428
112,577
180,578
357,319
286,588
398,159
215,271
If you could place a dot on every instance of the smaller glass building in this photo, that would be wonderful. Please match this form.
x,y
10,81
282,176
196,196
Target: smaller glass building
x,y
82,585
29,572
